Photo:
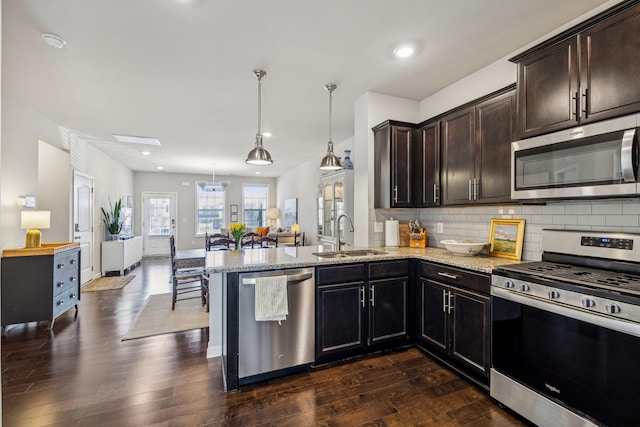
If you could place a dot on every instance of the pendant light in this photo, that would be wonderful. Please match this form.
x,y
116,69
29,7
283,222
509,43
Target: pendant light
x,y
259,156
330,161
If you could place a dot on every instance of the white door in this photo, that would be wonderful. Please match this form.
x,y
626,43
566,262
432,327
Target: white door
x,y
158,222
83,222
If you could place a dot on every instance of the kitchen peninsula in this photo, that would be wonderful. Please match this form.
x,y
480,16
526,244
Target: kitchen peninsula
x,y
404,275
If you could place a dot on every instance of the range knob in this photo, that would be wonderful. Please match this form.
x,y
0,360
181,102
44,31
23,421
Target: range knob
x,y
509,284
554,294
612,308
525,288
588,302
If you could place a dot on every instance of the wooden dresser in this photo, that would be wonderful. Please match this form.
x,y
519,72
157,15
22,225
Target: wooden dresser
x,y
40,283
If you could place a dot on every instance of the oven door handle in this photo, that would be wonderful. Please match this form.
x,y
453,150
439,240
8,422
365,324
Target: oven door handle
x,y
605,322
627,150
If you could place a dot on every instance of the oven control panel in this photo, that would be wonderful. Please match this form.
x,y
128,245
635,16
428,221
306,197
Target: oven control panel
x,y
607,242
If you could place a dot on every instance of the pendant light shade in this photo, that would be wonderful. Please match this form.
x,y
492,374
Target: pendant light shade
x,y
259,155
330,161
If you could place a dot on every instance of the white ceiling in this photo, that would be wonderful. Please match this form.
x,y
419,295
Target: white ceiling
x,y
181,70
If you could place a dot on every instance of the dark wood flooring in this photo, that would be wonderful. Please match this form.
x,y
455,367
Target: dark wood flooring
x,y
81,374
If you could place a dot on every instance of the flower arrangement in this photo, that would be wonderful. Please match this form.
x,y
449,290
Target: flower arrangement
x,y
237,231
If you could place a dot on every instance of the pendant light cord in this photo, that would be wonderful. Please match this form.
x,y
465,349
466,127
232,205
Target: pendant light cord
x,y
259,104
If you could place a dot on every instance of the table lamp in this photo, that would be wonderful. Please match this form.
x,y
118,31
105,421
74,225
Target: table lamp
x,y
273,214
33,221
295,228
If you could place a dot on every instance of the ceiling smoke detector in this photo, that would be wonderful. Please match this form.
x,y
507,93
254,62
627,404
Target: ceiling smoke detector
x,y
53,40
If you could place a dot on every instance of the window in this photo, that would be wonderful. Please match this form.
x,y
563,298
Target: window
x,y
210,202
254,202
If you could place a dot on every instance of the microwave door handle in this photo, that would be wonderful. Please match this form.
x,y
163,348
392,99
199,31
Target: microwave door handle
x,y
626,155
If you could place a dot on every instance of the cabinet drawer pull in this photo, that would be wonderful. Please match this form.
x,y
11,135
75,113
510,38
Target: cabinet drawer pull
x,y
72,295
72,278
61,302
73,261
449,275
585,102
59,284
61,265
362,296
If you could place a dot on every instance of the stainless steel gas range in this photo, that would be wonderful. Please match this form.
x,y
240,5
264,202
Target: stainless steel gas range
x,y
566,331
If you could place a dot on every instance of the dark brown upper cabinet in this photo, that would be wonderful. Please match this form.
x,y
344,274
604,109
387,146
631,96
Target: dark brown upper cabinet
x,y
476,150
429,188
396,152
585,74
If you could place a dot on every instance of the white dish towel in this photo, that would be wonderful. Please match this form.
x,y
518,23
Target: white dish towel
x,y
271,298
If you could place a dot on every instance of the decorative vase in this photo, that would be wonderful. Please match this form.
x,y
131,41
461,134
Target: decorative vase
x,y
238,243
346,163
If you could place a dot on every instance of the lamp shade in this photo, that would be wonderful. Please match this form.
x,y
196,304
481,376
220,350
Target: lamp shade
x,y
273,213
35,219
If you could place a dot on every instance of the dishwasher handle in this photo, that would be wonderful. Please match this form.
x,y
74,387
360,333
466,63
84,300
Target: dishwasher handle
x,y
294,278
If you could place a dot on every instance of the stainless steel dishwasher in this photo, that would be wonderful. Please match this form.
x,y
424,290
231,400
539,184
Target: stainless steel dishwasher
x,y
268,346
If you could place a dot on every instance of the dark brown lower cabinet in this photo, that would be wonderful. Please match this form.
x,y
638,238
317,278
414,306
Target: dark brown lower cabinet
x,y
453,321
360,307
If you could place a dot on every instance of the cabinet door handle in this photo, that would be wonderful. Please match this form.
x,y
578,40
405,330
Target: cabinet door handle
x,y
61,265
476,182
450,303
470,191
395,194
449,275
373,297
585,102
574,104
362,296
436,190
444,301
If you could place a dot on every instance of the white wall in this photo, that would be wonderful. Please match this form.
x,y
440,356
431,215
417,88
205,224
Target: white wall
x,y
22,129
303,183
173,183
54,191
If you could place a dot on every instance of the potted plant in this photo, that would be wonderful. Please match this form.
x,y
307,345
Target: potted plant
x,y
112,220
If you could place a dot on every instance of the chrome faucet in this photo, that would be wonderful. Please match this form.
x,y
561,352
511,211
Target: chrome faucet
x,y
337,231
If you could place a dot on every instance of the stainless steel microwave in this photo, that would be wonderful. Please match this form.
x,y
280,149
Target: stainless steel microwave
x,y
590,161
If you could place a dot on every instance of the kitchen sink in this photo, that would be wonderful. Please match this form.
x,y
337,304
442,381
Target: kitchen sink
x,y
347,254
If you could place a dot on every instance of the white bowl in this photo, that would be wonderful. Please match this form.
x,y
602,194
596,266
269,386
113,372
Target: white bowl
x,y
463,247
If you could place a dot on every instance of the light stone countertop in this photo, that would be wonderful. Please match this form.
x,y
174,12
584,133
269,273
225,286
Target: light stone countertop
x,y
301,256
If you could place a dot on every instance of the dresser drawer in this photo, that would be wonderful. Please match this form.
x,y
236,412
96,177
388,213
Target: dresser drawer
x,y
65,281
63,301
66,262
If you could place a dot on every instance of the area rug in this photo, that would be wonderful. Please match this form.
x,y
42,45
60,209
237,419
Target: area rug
x,y
157,318
107,283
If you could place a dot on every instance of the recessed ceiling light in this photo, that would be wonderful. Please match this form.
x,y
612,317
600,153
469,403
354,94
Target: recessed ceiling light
x,y
257,172
404,50
267,134
145,153
160,168
53,40
137,140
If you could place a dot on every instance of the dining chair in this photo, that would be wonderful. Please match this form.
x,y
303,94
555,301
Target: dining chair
x,y
187,277
250,239
267,242
218,241
298,239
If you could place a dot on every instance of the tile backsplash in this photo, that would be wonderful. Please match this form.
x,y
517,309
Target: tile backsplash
x,y
473,222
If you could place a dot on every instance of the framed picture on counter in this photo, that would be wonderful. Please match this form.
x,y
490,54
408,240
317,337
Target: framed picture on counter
x,y
506,237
